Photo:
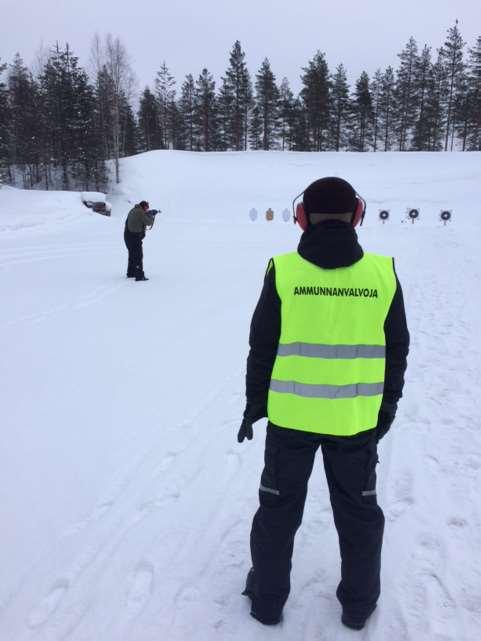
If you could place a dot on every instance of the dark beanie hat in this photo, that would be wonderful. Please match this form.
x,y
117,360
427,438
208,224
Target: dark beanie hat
x,y
329,196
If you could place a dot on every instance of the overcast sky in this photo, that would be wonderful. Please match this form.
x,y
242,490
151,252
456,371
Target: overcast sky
x,y
188,35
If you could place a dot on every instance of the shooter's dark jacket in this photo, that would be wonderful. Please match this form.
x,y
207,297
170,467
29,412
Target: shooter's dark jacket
x,y
138,220
329,245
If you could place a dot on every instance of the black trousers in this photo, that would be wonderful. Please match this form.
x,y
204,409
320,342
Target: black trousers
x,y
133,243
350,465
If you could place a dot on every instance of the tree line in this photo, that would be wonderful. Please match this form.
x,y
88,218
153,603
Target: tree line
x,y
60,125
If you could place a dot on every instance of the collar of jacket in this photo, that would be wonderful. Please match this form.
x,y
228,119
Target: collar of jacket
x,y
330,244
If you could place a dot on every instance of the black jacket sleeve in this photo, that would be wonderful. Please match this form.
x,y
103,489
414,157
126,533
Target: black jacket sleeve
x,y
397,348
264,336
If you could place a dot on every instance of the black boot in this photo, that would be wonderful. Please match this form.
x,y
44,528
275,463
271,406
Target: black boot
x,y
269,614
137,278
355,622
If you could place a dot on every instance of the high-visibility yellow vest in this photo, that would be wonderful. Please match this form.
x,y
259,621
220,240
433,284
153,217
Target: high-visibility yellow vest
x,y
328,376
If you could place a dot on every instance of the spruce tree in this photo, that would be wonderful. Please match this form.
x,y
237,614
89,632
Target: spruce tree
x,y
422,79
405,95
130,133
435,113
300,127
339,109
186,109
26,123
361,115
286,106
205,112
4,128
386,109
165,93
267,103
225,102
452,55
315,97
255,128
375,89
237,99
149,131
474,91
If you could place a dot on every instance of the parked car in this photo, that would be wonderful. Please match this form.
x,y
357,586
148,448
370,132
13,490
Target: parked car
x,y
96,201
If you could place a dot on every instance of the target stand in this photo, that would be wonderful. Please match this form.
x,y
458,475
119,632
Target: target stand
x,y
445,216
383,215
413,214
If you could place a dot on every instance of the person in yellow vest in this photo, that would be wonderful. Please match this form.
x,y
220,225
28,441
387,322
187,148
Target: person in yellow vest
x,y
328,349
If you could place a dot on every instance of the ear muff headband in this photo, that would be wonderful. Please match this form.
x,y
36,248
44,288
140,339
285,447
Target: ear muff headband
x,y
301,218
298,213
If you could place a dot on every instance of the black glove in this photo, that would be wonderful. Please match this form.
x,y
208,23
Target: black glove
x,y
385,420
252,413
154,212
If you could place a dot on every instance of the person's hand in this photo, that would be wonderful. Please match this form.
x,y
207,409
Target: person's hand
x,y
252,413
245,431
385,420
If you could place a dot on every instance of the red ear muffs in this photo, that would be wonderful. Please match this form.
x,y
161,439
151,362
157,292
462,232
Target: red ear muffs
x,y
359,212
300,217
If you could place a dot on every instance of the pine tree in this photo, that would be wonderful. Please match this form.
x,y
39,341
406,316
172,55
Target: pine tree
x,y
267,103
452,55
339,101
315,97
149,122
474,91
205,112
386,109
187,109
361,115
404,94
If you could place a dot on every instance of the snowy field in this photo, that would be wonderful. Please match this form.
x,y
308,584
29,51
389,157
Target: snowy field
x,y
125,499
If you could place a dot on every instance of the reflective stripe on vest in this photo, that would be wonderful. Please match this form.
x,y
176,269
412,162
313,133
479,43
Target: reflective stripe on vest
x,y
328,376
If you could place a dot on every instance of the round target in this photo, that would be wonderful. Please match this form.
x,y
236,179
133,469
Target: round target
x,y
286,215
445,215
253,214
384,214
413,214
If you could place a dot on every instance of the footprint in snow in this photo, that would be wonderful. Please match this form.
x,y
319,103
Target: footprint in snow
x,y
140,590
46,608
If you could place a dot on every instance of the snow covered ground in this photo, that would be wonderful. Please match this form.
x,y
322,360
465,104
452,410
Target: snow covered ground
x,y
125,500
